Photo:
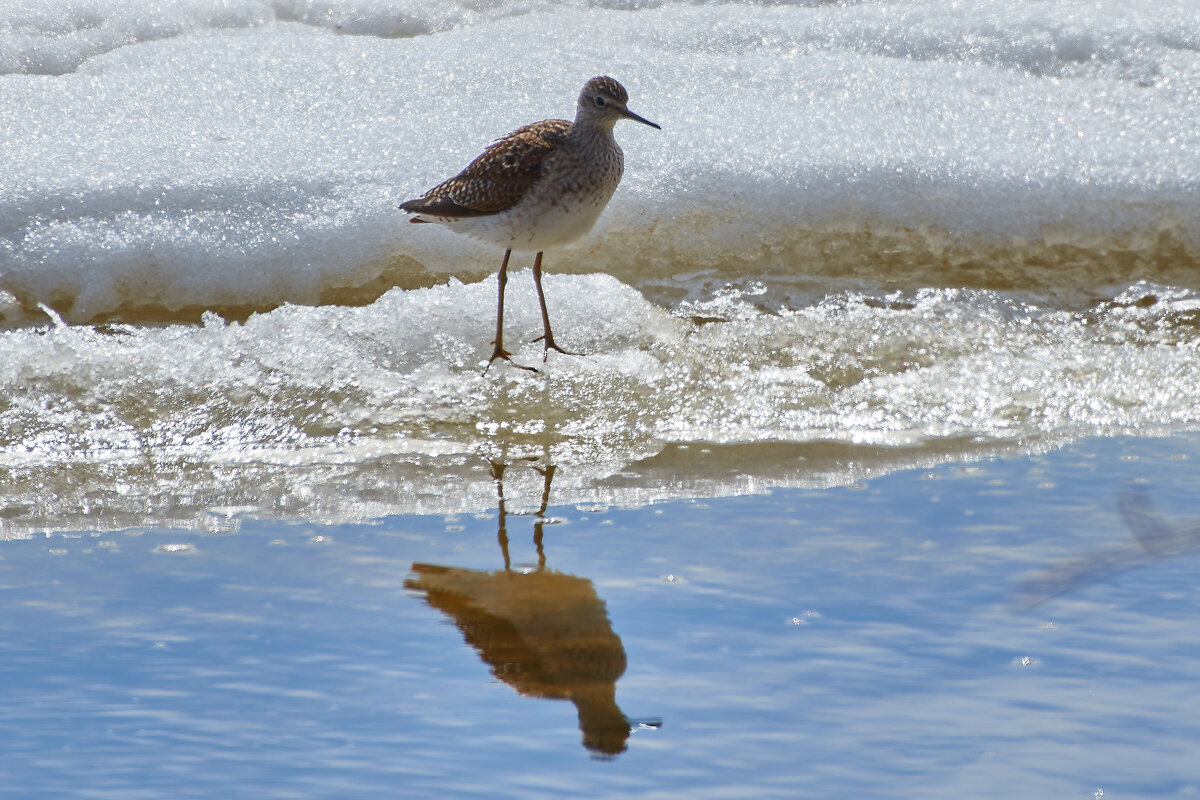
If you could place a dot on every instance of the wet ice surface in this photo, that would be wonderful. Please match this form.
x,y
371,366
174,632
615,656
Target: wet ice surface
x,y
858,641
736,389
868,238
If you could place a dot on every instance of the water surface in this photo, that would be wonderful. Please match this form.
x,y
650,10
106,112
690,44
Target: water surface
x,y
928,633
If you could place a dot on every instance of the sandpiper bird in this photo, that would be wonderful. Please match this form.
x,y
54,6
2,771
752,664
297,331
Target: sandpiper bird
x,y
541,186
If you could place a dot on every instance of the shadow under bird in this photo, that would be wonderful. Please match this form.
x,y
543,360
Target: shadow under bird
x,y
541,186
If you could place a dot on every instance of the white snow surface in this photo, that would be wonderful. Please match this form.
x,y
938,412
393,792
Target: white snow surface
x,y
211,153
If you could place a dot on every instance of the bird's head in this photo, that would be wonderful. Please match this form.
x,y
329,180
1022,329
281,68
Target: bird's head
x,y
603,100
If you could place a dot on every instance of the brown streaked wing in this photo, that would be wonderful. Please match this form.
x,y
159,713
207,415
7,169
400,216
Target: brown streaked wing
x,y
499,177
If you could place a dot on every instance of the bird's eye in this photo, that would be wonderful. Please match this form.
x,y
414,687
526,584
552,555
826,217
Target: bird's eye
x,y
600,101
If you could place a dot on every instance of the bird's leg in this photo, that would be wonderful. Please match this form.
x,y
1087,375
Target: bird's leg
x,y
547,337
499,351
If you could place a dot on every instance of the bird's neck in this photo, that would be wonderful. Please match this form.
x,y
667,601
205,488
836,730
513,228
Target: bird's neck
x,y
592,132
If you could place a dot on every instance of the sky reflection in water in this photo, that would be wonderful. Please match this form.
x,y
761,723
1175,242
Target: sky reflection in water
x,y
872,641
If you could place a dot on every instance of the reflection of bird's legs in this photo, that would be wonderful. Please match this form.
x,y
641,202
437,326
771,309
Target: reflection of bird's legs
x,y
499,351
502,533
547,337
537,542
497,468
548,474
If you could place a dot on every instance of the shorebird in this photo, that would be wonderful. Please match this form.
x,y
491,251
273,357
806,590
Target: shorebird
x,y
541,186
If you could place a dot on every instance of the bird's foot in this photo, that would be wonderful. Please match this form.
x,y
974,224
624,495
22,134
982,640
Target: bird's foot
x,y
553,345
500,352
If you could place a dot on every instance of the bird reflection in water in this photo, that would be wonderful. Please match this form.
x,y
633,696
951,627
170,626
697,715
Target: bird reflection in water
x,y
544,633
1154,539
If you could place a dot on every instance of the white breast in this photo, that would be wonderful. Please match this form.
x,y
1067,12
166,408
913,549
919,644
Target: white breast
x,y
558,209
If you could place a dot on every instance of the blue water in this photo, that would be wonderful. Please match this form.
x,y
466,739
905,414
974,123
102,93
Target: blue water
x,y
872,641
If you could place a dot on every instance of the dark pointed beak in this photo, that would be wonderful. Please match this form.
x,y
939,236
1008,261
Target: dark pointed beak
x,y
630,115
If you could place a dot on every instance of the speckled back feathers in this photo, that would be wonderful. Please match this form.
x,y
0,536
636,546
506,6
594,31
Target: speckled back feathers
x,y
499,177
